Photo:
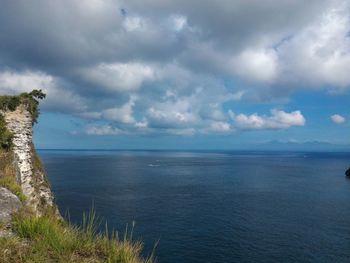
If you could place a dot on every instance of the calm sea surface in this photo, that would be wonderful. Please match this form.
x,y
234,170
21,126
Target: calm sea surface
x,y
214,206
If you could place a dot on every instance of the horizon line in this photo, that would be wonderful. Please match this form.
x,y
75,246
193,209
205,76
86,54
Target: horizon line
x,y
195,150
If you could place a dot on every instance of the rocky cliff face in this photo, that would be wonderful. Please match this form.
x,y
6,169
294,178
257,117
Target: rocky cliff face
x,y
9,204
29,171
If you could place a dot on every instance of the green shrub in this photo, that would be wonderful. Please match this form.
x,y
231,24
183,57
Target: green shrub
x,y
10,103
53,240
30,100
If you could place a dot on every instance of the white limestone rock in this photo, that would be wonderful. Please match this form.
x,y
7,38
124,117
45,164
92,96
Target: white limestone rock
x,y
33,182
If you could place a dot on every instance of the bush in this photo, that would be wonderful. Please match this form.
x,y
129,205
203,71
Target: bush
x,y
30,100
10,103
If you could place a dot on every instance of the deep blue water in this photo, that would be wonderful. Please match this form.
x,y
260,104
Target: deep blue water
x,y
214,206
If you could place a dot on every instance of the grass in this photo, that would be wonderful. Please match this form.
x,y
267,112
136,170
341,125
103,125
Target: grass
x,y
6,136
10,183
49,239
8,174
6,163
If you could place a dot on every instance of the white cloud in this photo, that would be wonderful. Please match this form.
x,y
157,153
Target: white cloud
x,y
103,130
141,124
14,82
258,65
58,97
337,119
319,54
170,118
278,120
185,67
123,114
220,127
133,23
119,76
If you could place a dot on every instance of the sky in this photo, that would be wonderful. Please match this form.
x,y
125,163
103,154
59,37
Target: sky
x,y
161,74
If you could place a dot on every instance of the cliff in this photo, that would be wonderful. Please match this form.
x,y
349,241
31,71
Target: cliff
x,y
28,170
30,173
31,228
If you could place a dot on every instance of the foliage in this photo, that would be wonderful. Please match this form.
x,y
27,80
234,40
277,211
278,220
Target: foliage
x,y
5,135
10,103
6,163
30,100
49,239
8,174
10,183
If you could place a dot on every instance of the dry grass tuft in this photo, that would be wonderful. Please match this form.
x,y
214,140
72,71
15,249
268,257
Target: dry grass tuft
x,y
48,239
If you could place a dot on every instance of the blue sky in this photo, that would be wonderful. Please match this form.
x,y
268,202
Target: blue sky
x,y
159,74
62,131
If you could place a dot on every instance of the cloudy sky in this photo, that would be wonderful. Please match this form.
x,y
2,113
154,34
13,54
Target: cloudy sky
x,y
180,74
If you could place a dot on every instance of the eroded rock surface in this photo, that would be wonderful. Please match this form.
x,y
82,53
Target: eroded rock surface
x,y
31,177
9,204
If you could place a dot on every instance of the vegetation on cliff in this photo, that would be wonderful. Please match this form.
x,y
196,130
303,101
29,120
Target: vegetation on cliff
x,y
5,135
10,103
8,173
29,100
7,170
48,238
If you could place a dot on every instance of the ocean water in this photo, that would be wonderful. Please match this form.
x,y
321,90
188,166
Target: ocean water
x,y
214,206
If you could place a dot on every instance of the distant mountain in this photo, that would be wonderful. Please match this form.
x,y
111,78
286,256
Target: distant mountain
x,y
303,146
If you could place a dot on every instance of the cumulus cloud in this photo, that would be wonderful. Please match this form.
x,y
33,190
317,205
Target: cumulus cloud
x,y
171,115
162,65
337,119
319,54
118,76
103,130
123,114
12,82
220,127
278,120
59,98
258,65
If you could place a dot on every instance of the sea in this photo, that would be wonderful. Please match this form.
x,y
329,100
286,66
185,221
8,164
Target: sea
x,y
212,206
